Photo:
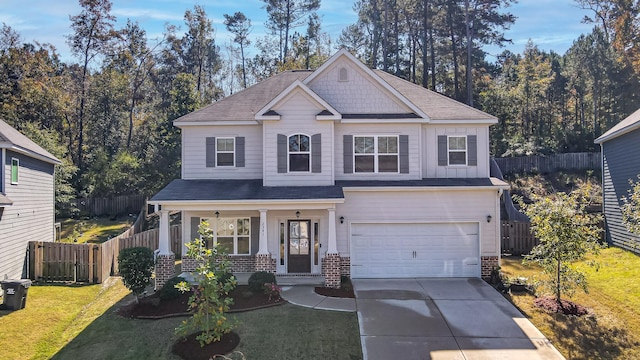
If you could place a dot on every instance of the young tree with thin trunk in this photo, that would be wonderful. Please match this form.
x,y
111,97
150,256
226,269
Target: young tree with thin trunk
x,y
631,208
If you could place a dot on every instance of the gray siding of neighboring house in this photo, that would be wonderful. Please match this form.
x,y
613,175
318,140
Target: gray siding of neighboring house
x,y
621,162
31,216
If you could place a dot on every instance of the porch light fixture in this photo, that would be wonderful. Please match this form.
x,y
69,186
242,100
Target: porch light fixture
x,y
217,214
341,219
489,218
298,214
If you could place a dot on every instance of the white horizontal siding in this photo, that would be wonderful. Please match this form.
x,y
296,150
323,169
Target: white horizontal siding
x,y
430,143
298,116
194,152
412,130
445,206
31,216
358,95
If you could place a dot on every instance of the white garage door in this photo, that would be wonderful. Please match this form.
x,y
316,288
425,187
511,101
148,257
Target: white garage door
x,y
415,250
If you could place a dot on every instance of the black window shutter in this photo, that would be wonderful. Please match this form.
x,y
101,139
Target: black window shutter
x,y
255,235
316,153
240,151
282,153
472,150
404,154
195,223
442,151
211,152
348,153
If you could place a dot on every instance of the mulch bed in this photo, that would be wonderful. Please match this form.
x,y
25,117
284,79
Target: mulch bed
x,y
190,348
565,307
339,293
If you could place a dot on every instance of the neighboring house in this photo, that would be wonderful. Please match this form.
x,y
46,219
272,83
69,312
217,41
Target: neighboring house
x,y
341,170
27,200
620,164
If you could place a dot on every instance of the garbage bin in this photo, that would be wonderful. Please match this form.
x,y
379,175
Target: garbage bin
x,y
15,293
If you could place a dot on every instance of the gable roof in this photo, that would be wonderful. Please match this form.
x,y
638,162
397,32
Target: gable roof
x,y
630,123
13,140
245,106
328,112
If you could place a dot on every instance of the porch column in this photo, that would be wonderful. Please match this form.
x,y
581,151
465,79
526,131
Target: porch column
x,y
165,268
264,262
331,264
262,249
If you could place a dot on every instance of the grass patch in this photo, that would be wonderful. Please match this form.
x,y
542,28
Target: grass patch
x,y
54,314
612,331
93,230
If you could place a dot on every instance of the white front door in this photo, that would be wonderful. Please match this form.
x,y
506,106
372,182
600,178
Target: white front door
x,y
400,250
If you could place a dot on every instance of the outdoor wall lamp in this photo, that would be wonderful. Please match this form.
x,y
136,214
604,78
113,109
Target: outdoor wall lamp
x,y
489,218
341,219
217,214
298,214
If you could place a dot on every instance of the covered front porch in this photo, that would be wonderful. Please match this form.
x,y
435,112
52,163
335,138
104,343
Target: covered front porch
x,y
289,231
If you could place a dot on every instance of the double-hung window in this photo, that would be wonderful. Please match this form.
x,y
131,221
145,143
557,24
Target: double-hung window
x,y
234,234
375,154
299,153
457,146
15,165
225,151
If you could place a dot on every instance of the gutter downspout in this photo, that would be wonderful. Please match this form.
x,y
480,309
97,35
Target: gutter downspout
x,y
2,175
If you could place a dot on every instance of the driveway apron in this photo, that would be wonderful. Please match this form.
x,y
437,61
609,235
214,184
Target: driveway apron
x,y
444,318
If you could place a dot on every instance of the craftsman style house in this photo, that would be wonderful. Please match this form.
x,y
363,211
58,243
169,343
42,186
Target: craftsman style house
x,y
340,170
26,199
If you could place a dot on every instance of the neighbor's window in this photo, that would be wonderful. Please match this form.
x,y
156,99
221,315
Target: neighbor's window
x,y
233,234
299,153
15,164
225,149
457,150
373,154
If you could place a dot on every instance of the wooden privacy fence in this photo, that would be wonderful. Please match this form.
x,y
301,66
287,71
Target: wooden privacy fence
x,y
117,205
516,237
91,263
550,163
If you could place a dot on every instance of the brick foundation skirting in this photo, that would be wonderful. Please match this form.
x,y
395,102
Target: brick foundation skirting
x,y
165,269
345,266
331,270
488,264
239,263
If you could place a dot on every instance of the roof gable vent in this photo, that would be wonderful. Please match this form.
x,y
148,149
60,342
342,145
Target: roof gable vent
x,y
343,74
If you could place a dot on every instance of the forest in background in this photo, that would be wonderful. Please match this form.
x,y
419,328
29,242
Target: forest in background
x,y
108,114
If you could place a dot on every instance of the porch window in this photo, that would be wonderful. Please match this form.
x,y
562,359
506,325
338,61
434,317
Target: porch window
x,y
299,153
233,234
225,149
457,150
375,154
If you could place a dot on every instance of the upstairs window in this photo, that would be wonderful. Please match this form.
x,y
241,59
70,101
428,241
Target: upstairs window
x,y
225,150
15,165
375,154
299,153
457,150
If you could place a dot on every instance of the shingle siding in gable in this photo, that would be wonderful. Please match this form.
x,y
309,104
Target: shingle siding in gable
x,y
31,216
620,164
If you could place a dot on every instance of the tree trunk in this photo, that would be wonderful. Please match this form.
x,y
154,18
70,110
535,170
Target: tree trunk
x,y
469,29
244,74
425,65
454,51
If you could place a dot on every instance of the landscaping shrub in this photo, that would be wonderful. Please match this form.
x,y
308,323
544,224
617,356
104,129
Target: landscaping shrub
x,y
345,283
259,278
224,276
169,290
136,266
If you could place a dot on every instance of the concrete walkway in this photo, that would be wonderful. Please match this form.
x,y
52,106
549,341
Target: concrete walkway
x,y
304,295
443,319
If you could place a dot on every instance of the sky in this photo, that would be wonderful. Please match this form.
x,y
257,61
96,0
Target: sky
x,y
550,24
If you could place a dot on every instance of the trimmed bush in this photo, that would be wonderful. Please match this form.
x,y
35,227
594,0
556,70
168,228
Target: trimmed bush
x,y
169,290
223,277
259,278
136,266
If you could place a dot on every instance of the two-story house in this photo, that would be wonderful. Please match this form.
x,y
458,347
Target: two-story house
x,y
340,170
27,201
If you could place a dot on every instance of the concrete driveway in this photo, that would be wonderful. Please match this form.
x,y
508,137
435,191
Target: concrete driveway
x,y
453,318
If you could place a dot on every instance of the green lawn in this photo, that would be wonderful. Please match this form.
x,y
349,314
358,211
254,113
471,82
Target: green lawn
x,y
93,230
613,329
63,322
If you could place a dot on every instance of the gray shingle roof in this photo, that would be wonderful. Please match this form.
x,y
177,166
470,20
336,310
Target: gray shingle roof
x,y
245,104
229,190
630,123
12,138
